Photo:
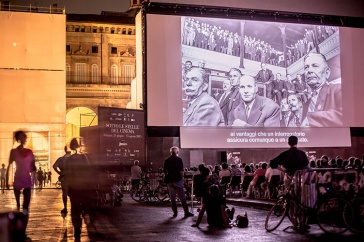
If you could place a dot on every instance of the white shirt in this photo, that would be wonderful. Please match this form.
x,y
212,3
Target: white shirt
x,y
223,173
136,172
248,108
271,172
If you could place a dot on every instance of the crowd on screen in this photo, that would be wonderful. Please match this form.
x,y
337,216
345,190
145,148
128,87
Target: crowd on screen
x,y
343,183
211,37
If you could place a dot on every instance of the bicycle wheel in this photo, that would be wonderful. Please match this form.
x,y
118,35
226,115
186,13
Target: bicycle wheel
x,y
335,216
58,184
161,193
135,193
276,215
144,194
358,207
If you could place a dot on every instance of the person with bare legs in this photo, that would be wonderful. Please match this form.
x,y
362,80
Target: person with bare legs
x,y
25,164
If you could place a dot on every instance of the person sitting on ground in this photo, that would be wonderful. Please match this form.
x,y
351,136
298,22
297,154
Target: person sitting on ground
x,y
215,206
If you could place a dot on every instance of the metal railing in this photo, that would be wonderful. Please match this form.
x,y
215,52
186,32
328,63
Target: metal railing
x,y
53,9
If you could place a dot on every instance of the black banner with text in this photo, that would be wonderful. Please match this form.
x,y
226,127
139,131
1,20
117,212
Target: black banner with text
x,y
122,135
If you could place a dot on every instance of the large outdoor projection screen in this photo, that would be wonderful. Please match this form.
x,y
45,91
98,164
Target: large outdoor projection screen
x,y
175,43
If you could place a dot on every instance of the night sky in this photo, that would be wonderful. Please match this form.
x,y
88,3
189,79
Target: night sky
x,y
79,6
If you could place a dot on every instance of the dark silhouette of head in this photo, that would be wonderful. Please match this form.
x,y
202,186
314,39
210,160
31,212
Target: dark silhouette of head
x,y
74,145
292,140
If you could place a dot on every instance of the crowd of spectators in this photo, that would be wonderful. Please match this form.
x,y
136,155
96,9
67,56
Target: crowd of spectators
x,y
214,175
211,37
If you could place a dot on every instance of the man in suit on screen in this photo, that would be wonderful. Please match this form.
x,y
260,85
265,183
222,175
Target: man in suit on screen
x,y
298,112
224,99
325,104
235,97
202,110
266,77
254,110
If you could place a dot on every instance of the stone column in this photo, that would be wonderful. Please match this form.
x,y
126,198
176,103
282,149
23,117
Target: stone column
x,y
283,33
242,47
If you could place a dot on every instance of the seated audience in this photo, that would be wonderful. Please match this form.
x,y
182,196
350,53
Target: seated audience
x,y
225,170
259,172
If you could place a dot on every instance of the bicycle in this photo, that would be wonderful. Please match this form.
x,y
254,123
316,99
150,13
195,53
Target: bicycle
x,y
161,191
358,206
335,215
141,192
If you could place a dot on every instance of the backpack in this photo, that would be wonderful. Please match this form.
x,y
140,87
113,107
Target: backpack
x,y
242,221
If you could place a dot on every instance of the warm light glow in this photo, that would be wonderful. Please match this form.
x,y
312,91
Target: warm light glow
x,y
81,117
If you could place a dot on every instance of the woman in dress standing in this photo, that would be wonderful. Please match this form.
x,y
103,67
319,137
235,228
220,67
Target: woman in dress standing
x,y
25,164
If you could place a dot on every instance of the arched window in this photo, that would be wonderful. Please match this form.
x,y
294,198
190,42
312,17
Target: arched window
x,y
114,74
95,74
68,73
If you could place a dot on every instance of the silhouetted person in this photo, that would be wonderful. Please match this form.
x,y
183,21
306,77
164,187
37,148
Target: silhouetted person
x,y
292,159
3,177
173,170
59,167
25,164
215,206
78,177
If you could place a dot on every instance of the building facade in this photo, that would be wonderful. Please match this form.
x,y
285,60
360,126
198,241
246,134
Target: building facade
x,y
100,65
33,85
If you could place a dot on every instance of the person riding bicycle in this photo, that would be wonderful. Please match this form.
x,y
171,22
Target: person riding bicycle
x,y
292,159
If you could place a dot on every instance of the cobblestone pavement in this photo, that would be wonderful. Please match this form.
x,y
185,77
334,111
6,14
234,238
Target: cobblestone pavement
x,y
135,221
